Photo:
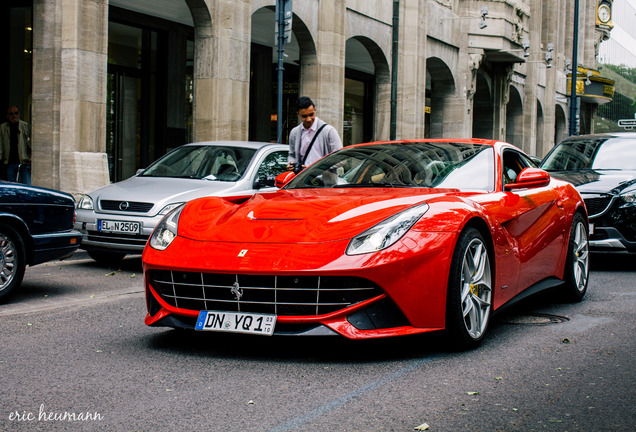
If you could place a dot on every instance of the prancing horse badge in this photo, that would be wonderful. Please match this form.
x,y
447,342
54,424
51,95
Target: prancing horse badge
x,y
242,253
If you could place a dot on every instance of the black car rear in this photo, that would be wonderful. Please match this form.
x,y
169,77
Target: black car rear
x,y
36,225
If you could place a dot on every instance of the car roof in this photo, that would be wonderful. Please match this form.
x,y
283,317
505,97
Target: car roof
x,y
438,140
607,135
246,144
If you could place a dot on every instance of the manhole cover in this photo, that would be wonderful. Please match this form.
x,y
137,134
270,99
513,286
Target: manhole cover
x,y
536,319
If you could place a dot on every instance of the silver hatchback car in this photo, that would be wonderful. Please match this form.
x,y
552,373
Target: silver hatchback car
x,y
117,219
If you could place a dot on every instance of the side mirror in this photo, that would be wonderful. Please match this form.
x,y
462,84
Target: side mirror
x,y
530,178
283,178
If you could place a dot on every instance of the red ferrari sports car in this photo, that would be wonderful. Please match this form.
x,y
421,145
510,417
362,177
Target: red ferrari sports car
x,y
374,240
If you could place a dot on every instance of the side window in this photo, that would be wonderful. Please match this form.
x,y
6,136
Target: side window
x,y
273,164
513,164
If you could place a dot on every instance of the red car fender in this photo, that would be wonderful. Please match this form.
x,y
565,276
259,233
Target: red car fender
x,y
571,203
453,214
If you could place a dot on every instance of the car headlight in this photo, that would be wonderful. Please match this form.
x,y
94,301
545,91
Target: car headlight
x,y
166,230
167,209
387,232
85,203
629,197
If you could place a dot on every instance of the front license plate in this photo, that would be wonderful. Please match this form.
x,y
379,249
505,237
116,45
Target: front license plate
x,y
120,227
236,322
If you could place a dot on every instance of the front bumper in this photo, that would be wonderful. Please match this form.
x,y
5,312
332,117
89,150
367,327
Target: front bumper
x,y
48,247
92,239
612,223
608,239
411,278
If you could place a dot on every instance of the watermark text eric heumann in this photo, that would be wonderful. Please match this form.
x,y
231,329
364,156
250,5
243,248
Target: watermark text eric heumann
x,y
43,415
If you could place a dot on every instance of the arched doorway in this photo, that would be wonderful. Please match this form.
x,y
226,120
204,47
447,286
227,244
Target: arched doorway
x,y
539,131
560,124
149,96
366,69
17,32
483,107
514,118
264,77
440,87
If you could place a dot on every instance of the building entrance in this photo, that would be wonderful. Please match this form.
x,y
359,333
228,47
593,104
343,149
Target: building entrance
x,y
123,124
358,108
130,118
149,90
16,29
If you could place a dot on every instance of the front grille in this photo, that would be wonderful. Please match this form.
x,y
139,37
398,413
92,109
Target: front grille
x,y
126,206
597,204
279,295
124,239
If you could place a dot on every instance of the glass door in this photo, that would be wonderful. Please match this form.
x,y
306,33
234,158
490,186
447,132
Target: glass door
x,y
131,89
123,124
358,108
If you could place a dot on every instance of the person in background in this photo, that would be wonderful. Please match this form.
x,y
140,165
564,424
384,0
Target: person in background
x,y
15,147
312,138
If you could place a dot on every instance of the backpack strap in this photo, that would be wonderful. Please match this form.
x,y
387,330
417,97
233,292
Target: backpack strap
x,y
311,144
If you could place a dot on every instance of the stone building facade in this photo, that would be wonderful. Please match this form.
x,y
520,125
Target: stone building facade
x,y
116,84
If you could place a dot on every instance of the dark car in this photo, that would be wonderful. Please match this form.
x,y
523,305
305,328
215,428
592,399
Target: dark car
x,y
36,225
603,169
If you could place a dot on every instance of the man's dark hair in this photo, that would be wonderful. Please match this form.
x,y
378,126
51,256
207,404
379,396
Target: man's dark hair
x,y
304,102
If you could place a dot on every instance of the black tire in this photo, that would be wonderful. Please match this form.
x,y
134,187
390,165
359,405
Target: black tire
x,y
577,264
469,298
12,261
106,257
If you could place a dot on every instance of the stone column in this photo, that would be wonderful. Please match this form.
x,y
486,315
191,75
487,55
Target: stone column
x,y
550,26
501,95
222,69
69,94
411,95
535,76
323,81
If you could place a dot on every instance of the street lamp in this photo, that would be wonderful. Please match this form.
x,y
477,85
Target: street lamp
x,y
283,35
575,71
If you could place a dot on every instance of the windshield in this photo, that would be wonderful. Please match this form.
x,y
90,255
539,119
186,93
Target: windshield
x,y
598,154
429,164
204,161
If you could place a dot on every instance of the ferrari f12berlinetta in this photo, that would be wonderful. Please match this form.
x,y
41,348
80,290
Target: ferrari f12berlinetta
x,y
374,240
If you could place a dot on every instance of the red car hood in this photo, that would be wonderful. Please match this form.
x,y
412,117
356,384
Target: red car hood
x,y
296,216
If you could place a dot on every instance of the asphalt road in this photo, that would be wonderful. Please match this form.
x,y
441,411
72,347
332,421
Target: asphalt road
x,y
75,355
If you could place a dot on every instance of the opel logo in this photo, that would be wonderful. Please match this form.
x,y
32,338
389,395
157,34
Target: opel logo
x,y
123,206
237,291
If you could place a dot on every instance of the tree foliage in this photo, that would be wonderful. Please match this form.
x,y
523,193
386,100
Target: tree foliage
x,y
624,71
623,106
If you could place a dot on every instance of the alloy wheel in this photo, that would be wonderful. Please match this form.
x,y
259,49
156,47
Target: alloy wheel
x,y
8,265
476,288
581,257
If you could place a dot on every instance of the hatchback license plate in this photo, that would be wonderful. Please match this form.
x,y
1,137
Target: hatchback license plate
x,y
236,322
121,227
